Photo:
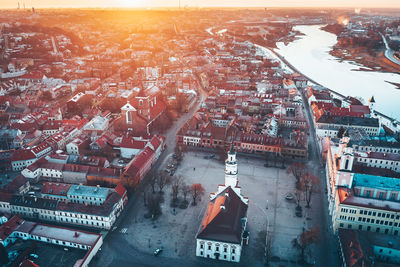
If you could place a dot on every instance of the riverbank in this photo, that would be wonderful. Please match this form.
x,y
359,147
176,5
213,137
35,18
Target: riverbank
x,y
310,55
368,59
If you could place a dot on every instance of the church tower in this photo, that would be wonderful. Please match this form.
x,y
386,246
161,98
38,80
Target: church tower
x,y
371,104
128,112
231,170
231,178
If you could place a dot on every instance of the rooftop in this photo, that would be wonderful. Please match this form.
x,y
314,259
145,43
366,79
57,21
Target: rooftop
x,y
353,121
379,182
223,218
88,191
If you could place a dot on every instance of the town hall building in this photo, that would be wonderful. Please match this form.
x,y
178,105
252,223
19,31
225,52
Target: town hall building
x,y
222,231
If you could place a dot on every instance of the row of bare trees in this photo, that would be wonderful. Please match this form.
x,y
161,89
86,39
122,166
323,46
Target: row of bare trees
x,y
158,181
178,185
306,182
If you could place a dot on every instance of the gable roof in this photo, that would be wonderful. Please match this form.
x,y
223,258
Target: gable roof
x,y
224,223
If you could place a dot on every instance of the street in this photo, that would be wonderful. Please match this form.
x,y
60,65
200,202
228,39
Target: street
x,y
116,251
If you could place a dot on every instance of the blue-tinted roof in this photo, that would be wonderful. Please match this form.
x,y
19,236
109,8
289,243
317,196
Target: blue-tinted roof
x,y
88,191
373,181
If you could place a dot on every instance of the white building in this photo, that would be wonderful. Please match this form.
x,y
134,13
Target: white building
x,y
223,232
359,200
17,228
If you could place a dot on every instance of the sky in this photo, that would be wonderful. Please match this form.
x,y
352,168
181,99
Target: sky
x,y
201,3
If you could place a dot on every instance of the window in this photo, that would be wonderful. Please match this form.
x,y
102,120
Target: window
x,y
209,247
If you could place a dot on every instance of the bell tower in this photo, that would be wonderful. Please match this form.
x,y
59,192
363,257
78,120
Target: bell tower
x,y
128,112
231,170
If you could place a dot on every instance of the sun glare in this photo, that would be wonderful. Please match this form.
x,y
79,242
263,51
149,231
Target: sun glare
x,y
131,3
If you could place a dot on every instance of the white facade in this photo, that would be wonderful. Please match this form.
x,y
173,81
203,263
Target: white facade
x,y
217,249
225,251
128,153
362,213
19,165
366,219
191,140
72,148
231,179
378,162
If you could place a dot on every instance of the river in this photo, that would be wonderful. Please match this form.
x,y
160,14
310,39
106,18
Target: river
x,y
310,55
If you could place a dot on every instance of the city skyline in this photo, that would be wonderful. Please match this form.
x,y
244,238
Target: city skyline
x,y
197,3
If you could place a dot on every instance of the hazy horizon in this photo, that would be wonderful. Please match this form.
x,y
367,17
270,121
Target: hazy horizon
x,y
7,4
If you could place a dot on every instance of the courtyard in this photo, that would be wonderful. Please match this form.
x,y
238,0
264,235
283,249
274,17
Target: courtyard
x,y
175,230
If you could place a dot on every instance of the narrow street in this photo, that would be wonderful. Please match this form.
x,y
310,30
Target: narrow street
x,y
327,246
120,252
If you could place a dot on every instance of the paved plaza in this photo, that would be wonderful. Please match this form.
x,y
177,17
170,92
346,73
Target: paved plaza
x,y
266,189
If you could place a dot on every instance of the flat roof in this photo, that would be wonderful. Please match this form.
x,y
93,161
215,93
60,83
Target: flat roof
x,y
65,234
378,182
88,191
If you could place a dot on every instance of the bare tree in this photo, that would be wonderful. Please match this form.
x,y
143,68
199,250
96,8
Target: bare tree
x,y
153,182
297,194
197,190
298,169
176,183
309,182
162,180
305,239
153,205
185,190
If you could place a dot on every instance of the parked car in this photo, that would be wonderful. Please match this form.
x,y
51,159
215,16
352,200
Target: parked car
x,y
33,256
157,251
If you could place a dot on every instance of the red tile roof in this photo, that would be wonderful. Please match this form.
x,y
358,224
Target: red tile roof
x,y
39,148
138,162
23,154
224,223
129,142
60,189
8,227
120,189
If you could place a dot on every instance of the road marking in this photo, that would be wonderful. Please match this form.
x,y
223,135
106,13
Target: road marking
x,y
124,230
